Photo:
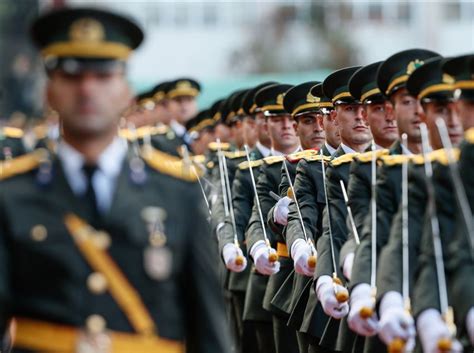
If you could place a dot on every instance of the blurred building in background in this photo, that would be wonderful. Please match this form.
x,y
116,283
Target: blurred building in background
x,y
233,44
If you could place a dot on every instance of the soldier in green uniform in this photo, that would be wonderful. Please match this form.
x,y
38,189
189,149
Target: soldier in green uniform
x,y
103,256
284,141
305,110
242,202
391,79
201,130
363,87
456,247
309,193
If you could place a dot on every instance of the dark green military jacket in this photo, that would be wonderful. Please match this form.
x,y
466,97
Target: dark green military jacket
x,y
310,195
45,277
268,180
457,251
388,194
242,202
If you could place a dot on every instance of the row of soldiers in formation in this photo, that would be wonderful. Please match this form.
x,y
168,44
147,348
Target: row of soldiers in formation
x,y
344,215
341,210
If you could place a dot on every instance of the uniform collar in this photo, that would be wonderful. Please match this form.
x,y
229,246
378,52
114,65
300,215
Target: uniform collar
x,y
265,151
274,152
330,149
179,129
347,149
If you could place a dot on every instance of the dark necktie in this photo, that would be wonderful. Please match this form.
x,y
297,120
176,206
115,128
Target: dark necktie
x,y
89,196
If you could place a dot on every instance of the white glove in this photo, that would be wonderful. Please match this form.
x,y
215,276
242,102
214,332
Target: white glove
x,y
260,252
395,322
280,212
347,265
431,329
470,324
326,293
361,297
230,252
300,252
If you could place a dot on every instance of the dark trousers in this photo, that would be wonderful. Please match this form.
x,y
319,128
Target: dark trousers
x,y
314,347
247,338
264,332
303,342
285,337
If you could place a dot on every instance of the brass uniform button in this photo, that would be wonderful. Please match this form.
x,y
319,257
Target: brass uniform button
x,y
95,324
97,283
39,232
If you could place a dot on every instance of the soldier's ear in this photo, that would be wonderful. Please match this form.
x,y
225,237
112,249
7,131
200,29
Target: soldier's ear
x,y
333,116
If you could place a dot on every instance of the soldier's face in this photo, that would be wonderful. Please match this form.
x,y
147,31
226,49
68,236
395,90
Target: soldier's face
x,y
89,102
282,132
445,111
263,136
165,114
238,133
223,133
186,108
407,111
250,131
351,124
309,128
333,137
383,125
465,111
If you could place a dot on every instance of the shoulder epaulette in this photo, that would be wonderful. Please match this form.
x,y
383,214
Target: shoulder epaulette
x,y
253,164
213,146
367,156
141,132
234,154
295,157
317,158
161,129
200,158
395,159
11,132
469,135
345,158
22,164
170,165
440,156
273,159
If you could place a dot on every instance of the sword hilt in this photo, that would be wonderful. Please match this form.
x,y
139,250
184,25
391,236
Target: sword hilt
x,y
396,346
312,261
342,296
445,345
239,260
366,312
272,257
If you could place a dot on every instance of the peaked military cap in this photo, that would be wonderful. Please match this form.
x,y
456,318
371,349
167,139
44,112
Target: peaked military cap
x,y
394,72
299,100
270,99
429,82
160,91
235,105
224,110
184,87
461,68
248,101
363,84
200,122
84,38
215,110
335,86
325,104
145,100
